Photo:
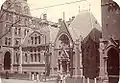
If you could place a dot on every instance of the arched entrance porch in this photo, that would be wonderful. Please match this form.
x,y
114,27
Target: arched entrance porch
x,y
7,61
64,53
113,65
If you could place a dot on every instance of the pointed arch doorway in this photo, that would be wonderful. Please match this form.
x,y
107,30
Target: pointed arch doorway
x,y
64,52
7,61
113,65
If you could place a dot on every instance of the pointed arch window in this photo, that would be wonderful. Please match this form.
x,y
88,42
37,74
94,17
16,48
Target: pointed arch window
x,y
31,57
17,58
58,64
32,40
26,21
35,38
6,39
25,32
35,57
9,41
39,57
26,57
19,31
39,39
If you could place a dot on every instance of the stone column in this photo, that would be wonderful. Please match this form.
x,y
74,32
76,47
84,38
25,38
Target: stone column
x,y
42,56
95,80
32,76
54,62
61,68
119,68
103,78
20,67
2,66
84,79
78,61
37,76
88,80
12,56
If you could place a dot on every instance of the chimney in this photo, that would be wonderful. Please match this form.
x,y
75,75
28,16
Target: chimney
x,y
70,19
64,16
59,21
73,17
44,16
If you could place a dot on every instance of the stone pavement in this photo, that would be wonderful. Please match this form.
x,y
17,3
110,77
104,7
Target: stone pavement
x,y
68,80
23,81
15,81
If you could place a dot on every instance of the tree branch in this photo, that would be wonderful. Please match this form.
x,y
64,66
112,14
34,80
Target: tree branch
x,y
10,28
6,9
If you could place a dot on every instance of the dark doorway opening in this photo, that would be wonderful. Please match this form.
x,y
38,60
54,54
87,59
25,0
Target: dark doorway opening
x,y
7,61
113,65
64,66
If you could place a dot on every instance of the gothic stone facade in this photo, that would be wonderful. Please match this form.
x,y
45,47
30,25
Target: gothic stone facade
x,y
25,41
109,44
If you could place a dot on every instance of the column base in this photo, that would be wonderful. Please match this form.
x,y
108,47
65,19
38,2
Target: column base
x,y
20,69
104,79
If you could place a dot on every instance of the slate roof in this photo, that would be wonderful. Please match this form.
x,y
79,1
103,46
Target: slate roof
x,y
53,34
95,35
82,25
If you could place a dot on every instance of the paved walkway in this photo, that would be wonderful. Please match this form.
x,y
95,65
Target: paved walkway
x,y
15,81
23,81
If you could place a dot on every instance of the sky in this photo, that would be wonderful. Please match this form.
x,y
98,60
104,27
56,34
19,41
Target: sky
x,y
70,10
54,13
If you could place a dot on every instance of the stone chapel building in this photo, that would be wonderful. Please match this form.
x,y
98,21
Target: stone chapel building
x,y
35,48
